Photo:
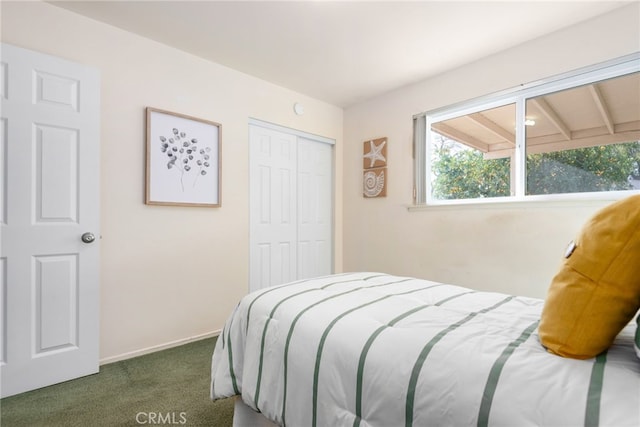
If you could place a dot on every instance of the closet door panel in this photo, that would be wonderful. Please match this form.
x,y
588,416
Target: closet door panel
x,y
315,207
273,211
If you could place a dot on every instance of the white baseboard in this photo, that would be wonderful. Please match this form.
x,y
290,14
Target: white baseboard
x,y
158,347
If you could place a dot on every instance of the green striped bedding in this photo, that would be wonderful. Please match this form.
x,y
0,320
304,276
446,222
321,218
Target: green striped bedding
x,y
371,349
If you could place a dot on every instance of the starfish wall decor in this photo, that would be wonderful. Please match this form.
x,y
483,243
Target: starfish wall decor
x,y
374,162
375,153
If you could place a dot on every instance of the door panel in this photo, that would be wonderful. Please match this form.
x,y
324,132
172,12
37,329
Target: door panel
x,y
56,91
3,217
272,207
315,206
56,186
50,197
3,311
55,299
3,169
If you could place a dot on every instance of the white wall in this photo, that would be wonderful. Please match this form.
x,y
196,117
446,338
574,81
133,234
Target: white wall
x,y
514,249
168,273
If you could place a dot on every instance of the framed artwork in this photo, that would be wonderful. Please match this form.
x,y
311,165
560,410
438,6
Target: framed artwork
x,y
375,183
374,163
375,153
183,160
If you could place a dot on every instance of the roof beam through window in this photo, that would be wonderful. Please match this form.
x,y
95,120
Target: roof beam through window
x,y
493,127
459,136
596,94
552,116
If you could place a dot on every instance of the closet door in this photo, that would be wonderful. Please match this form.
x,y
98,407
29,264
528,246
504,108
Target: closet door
x,y
315,208
272,210
291,207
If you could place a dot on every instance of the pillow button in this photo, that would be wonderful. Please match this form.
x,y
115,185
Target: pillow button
x,y
570,248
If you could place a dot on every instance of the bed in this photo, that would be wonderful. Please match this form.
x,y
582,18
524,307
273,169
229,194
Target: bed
x,y
373,349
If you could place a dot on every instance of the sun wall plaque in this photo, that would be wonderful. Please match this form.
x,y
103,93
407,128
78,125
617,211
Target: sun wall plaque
x,y
374,162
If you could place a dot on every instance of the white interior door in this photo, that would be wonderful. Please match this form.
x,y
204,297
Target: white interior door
x,y
315,209
50,199
273,215
291,206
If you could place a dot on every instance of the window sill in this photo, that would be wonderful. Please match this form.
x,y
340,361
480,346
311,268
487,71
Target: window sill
x,y
534,202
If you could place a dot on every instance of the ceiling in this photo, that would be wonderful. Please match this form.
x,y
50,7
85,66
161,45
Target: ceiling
x,y
341,52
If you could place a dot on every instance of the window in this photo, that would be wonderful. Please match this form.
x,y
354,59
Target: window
x,y
463,163
577,134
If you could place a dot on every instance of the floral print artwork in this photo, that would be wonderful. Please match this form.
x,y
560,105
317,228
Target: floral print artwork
x,y
185,155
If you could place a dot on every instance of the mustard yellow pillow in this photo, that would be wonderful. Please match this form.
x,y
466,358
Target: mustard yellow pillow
x,y
597,290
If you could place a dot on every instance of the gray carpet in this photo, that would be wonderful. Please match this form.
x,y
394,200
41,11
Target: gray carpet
x,y
166,387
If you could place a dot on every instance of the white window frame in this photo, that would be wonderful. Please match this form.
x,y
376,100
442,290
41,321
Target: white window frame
x,y
423,145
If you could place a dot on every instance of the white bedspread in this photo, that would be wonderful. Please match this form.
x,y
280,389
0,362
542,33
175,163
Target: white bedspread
x,y
370,349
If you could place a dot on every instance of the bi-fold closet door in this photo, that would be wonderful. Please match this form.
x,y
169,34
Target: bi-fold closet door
x,y
291,206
